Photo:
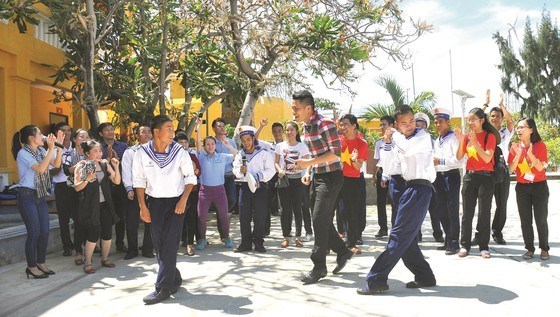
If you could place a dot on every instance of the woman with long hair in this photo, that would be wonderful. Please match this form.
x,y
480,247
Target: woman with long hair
x,y
96,209
34,184
287,152
70,161
478,184
528,158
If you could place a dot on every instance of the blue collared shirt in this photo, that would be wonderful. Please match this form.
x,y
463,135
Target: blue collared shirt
x,y
24,162
221,148
213,167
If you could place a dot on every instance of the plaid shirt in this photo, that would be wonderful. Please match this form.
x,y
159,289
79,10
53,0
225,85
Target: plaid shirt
x,y
320,135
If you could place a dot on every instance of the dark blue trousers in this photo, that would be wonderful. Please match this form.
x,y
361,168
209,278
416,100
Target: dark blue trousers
x,y
132,223
397,186
448,189
403,242
252,207
166,229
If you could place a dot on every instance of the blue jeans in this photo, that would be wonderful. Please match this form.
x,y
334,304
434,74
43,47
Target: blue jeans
x,y
35,215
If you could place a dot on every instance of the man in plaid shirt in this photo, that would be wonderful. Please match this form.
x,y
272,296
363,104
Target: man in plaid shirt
x,y
321,137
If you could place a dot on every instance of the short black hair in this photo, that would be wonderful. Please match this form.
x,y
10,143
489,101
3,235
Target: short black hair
x,y
136,129
218,120
181,136
402,110
88,145
497,109
352,118
304,97
103,126
158,121
59,126
388,118
277,124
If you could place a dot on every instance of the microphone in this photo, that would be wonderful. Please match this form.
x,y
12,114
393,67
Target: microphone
x,y
244,160
55,143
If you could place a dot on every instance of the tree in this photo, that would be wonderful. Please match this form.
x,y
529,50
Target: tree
x,y
424,102
532,74
279,43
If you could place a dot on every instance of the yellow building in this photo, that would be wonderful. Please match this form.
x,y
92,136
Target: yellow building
x,y
26,64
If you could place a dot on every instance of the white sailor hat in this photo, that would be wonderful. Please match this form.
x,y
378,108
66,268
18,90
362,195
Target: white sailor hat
x,y
247,129
442,113
422,117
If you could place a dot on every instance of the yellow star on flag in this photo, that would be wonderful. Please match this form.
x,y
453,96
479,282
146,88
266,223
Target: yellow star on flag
x,y
346,157
524,167
471,152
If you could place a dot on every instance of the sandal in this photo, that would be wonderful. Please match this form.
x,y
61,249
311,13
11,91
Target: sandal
x,y
485,254
356,250
463,253
190,250
528,255
299,243
544,255
88,269
107,263
78,259
285,243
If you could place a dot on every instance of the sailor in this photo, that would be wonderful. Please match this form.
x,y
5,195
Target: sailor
x,y
448,180
254,166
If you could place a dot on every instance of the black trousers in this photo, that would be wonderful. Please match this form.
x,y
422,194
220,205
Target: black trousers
x,y
252,207
290,200
66,199
120,199
532,199
273,202
448,189
352,208
190,225
501,195
132,224
166,229
306,208
476,187
326,189
104,230
381,201
434,217
363,197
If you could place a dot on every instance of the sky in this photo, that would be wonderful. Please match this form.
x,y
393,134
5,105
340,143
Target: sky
x,y
462,32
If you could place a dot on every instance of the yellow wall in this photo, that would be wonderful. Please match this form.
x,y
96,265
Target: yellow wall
x,y
24,66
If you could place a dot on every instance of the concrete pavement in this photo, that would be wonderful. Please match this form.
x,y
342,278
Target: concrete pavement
x,y
220,282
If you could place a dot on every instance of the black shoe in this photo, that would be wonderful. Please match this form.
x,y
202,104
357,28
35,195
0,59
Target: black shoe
x,y
130,255
359,242
381,234
475,240
499,239
148,255
260,249
451,251
372,289
67,252
241,248
439,239
122,248
419,237
48,272
28,272
313,276
341,261
157,297
442,248
418,284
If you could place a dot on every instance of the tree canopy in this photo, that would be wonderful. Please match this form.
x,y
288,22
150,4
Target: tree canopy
x,y
532,74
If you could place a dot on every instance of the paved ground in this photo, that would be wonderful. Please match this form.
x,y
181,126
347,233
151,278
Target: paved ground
x,y
220,282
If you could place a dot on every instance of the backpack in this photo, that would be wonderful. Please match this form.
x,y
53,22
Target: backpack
x,y
500,166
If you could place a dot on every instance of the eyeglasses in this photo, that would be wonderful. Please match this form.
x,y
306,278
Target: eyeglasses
x,y
521,127
473,120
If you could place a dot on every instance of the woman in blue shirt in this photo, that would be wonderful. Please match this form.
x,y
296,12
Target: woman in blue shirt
x,y
34,184
212,190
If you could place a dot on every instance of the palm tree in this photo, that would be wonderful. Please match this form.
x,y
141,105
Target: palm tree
x,y
424,102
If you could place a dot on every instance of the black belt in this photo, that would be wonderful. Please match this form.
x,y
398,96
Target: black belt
x,y
450,172
485,173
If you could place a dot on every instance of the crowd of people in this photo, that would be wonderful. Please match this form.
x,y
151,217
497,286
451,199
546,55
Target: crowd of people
x,y
307,177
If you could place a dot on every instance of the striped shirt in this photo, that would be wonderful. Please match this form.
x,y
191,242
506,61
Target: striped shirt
x,y
320,135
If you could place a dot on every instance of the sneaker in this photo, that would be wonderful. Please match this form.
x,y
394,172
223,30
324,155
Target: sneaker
x,y
228,243
201,244
308,237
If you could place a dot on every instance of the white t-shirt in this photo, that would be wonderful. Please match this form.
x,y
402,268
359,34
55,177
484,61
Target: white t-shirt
x,y
288,154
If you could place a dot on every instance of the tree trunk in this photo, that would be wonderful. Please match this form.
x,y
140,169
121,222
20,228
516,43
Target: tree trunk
x,y
186,109
247,112
203,108
90,99
163,60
